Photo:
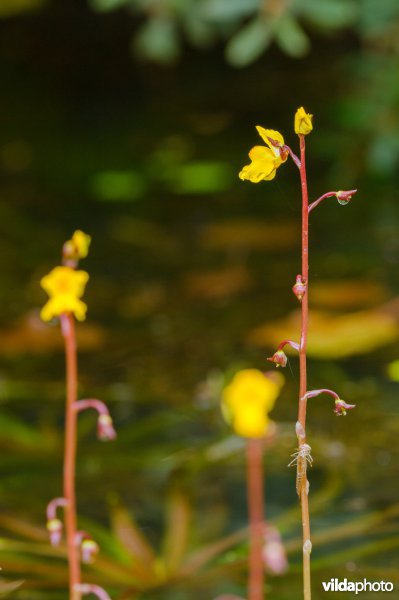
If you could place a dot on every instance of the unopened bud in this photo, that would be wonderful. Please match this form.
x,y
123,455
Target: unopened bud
x,y
273,553
89,549
299,288
341,407
105,428
279,358
54,528
344,197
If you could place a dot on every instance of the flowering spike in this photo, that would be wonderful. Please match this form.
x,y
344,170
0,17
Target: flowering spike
x,y
341,407
300,287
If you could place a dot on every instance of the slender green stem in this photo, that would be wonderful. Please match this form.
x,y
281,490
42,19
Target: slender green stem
x,y
68,329
256,518
303,373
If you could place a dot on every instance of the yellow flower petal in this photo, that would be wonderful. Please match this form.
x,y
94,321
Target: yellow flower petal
x,y
65,286
303,122
247,401
263,166
251,423
81,241
265,134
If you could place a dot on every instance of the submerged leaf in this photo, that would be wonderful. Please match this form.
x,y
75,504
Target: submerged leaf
x,y
131,537
248,233
214,285
330,335
177,530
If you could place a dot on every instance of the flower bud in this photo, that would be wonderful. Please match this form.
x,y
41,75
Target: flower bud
x,y
279,358
89,549
341,407
343,197
77,247
303,122
105,428
273,553
299,288
54,528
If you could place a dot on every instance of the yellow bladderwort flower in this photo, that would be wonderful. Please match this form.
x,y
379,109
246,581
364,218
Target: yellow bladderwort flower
x,y
78,246
247,401
303,122
265,160
65,286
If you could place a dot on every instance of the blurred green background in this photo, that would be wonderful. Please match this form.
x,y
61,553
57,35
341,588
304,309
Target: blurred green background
x,y
130,119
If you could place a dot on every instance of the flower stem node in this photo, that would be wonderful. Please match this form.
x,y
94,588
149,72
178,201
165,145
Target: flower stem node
x,y
341,407
307,547
279,358
54,528
105,428
343,196
299,288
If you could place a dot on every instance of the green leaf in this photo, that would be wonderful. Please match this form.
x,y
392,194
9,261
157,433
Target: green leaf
x,y
158,41
224,10
201,177
112,186
177,530
250,42
107,5
291,38
329,14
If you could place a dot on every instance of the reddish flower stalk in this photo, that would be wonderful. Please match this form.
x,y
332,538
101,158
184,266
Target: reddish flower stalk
x,y
343,197
256,518
105,427
303,373
68,330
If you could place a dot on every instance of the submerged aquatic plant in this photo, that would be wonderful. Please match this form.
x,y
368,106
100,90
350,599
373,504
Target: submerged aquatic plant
x,y
246,404
65,286
263,167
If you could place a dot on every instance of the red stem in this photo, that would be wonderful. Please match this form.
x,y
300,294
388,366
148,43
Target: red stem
x,y
68,328
302,365
256,518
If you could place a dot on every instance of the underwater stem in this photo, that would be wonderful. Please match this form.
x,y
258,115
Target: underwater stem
x,y
256,518
303,374
68,330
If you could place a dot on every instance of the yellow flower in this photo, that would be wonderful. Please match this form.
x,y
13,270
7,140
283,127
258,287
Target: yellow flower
x,y
303,122
247,401
65,286
78,246
265,160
